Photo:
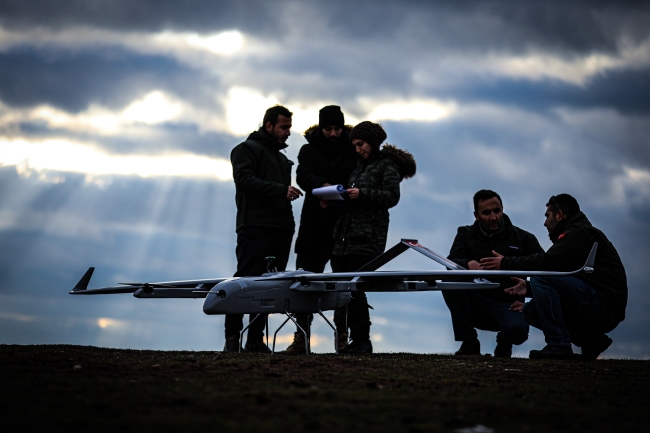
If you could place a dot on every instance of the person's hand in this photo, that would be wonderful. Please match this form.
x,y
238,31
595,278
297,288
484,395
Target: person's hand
x,y
518,289
293,193
492,263
353,193
473,265
517,306
323,203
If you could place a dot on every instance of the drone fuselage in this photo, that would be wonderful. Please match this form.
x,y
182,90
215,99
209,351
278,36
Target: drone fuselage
x,y
253,295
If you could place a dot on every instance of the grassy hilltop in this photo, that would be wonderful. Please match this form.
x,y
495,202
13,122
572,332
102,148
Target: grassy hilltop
x,y
59,388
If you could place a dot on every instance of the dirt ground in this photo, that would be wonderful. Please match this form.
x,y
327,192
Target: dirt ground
x,y
72,388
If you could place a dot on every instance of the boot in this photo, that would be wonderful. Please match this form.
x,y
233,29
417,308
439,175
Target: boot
x,y
298,347
469,347
257,346
504,347
232,344
360,339
552,352
594,346
503,350
360,346
342,342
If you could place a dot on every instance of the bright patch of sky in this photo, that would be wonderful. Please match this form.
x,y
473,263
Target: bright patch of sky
x,y
68,156
222,43
575,70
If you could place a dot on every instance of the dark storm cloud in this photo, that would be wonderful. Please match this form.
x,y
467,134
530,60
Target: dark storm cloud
x,y
342,50
624,91
579,26
151,15
72,81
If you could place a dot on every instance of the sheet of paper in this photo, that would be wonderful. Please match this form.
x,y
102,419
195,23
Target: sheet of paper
x,y
332,192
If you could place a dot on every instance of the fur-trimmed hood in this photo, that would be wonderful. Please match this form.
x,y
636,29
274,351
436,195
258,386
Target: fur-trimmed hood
x,y
314,128
403,158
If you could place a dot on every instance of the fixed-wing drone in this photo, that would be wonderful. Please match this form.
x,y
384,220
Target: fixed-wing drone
x,y
299,292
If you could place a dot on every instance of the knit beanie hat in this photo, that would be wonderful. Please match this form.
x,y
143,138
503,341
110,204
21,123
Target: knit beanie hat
x,y
371,133
331,116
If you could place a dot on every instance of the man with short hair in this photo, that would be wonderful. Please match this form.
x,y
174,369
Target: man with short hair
x,y
328,158
489,310
580,309
265,222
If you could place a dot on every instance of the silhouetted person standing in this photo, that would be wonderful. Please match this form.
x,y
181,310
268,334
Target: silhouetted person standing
x,y
265,224
328,158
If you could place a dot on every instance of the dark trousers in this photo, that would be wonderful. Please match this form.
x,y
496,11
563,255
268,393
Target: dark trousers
x,y
358,314
312,263
253,245
567,310
471,310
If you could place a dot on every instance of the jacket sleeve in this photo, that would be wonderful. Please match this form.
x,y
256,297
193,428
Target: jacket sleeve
x,y
459,253
244,161
531,245
306,173
387,193
565,255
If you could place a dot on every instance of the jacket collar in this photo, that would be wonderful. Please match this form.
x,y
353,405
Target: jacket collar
x,y
506,226
578,218
263,137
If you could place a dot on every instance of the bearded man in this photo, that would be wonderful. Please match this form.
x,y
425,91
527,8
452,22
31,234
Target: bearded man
x,y
488,310
328,158
265,225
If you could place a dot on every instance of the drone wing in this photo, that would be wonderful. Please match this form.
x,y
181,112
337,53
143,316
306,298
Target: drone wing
x,y
456,278
169,289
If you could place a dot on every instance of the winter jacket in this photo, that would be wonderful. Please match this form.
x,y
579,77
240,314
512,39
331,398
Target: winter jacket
x,y
472,243
362,228
262,176
572,240
321,161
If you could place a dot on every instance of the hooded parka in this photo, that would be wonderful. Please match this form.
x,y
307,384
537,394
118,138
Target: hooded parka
x,y
362,228
321,161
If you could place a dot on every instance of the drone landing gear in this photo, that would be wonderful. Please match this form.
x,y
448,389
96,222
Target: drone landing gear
x,y
257,316
307,334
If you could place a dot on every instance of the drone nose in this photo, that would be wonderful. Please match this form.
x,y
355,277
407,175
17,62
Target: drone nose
x,y
217,299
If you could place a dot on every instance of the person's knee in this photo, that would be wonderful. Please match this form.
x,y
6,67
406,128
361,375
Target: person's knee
x,y
530,313
543,287
517,332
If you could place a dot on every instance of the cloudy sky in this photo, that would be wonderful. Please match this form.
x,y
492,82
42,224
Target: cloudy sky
x,y
117,120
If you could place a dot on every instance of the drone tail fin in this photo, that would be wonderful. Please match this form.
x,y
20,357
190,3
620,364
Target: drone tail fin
x,y
83,282
591,259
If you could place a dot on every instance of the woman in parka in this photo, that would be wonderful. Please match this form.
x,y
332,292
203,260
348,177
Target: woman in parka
x,y
361,230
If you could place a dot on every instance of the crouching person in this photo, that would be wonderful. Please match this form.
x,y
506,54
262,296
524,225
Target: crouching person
x,y
581,309
488,310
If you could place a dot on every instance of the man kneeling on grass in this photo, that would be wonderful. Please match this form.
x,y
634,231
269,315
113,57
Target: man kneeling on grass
x,y
580,309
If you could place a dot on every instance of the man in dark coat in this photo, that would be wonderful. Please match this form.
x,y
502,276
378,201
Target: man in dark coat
x,y
265,222
328,158
489,310
580,309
